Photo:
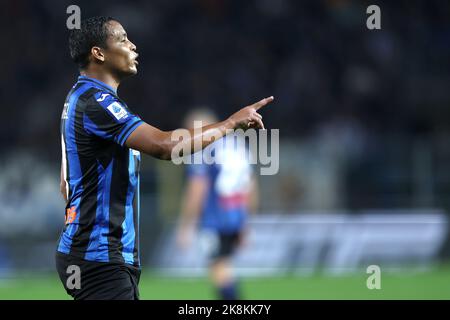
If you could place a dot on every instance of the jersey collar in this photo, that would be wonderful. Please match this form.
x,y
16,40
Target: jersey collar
x,y
98,82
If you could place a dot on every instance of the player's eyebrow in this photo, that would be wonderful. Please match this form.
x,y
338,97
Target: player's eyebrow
x,y
121,35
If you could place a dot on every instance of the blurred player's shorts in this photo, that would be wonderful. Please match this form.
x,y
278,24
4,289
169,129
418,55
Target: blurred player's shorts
x,y
208,241
216,245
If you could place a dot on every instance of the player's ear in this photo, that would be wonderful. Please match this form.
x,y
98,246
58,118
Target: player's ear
x,y
97,53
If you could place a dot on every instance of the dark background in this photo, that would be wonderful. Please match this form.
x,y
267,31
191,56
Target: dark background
x,y
363,114
316,57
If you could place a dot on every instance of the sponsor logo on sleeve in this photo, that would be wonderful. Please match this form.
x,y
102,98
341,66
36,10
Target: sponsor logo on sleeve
x,y
103,97
117,110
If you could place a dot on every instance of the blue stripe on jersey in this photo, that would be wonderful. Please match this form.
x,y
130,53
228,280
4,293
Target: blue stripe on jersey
x,y
98,242
127,130
75,170
128,223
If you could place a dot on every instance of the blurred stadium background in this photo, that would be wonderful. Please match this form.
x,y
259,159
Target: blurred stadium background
x,y
364,152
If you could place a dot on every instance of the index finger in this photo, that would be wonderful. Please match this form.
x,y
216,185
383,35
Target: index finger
x,y
263,102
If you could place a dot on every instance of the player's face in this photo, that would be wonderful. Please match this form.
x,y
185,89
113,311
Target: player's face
x,y
120,53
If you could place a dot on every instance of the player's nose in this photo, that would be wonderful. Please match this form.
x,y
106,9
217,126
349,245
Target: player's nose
x,y
132,46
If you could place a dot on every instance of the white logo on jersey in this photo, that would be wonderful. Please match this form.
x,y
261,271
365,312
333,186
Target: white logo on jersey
x,y
235,170
117,110
103,97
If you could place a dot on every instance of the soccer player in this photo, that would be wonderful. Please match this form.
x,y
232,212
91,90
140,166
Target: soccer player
x,y
220,192
98,251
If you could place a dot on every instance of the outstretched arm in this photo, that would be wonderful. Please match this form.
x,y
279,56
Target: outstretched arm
x,y
160,144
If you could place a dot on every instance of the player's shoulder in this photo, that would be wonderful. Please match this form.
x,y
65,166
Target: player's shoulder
x,y
98,96
102,101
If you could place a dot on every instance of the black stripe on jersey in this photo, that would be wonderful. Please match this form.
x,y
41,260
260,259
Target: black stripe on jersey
x,y
117,204
88,202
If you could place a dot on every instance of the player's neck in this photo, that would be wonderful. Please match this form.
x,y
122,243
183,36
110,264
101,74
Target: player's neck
x,y
103,77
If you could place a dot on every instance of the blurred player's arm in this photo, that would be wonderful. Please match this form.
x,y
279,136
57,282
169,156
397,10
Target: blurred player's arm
x,y
191,207
253,196
160,144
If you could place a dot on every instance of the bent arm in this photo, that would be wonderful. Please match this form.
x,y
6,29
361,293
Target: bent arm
x,y
160,144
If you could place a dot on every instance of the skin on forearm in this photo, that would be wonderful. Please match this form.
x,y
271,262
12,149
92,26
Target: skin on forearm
x,y
161,144
198,139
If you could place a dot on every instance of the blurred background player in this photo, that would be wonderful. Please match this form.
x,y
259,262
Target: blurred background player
x,y
219,194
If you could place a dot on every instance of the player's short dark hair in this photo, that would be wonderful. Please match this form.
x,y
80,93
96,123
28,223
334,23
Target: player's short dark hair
x,y
93,32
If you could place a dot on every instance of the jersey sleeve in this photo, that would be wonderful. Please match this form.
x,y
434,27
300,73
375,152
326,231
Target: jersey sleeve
x,y
108,118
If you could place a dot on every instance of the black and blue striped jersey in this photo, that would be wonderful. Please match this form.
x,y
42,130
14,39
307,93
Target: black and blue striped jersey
x,y
101,175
